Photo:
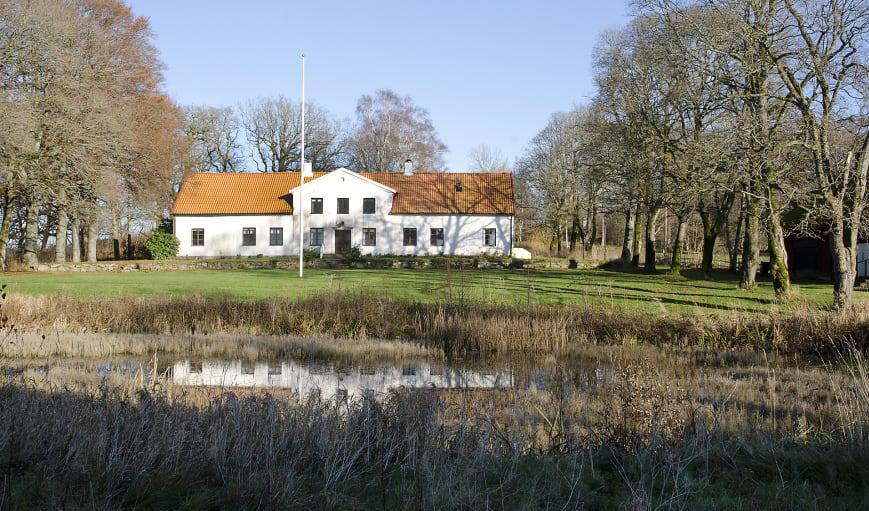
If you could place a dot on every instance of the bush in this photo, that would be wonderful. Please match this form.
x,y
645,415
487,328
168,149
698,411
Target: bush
x,y
161,245
352,255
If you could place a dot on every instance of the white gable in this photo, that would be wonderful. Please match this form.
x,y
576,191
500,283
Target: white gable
x,y
341,179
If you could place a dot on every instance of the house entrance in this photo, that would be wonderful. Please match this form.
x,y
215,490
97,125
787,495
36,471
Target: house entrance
x,y
342,240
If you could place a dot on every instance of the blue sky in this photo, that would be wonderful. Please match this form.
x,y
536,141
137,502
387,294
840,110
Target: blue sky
x,y
489,72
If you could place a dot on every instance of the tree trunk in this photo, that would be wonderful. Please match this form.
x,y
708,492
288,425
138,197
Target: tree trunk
x,y
92,241
576,232
630,233
677,261
31,227
60,235
589,240
737,238
637,242
750,249
5,225
116,237
710,236
651,230
46,233
75,240
778,258
844,266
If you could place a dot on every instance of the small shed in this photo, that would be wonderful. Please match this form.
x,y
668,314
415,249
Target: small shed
x,y
809,257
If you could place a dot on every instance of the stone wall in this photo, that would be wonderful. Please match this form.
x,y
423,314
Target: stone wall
x,y
288,263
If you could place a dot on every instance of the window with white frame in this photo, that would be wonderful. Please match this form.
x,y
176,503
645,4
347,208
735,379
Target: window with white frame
x,y
197,237
316,206
276,236
489,237
409,237
437,237
316,237
248,236
369,237
343,206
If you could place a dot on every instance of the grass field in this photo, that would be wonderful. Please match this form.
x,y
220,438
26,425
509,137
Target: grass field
x,y
637,291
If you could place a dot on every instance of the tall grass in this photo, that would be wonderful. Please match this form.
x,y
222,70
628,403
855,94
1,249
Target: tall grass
x,y
219,345
450,327
643,440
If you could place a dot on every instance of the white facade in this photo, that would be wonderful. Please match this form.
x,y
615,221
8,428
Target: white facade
x,y
462,234
223,235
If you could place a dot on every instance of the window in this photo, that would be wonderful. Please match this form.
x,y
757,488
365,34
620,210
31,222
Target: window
x,y
343,206
317,206
489,237
368,206
197,237
276,236
248,236
369,237
437,237
316,237
248,368
410,236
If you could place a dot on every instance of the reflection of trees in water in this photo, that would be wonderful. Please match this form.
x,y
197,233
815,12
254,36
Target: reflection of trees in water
x,y
332,381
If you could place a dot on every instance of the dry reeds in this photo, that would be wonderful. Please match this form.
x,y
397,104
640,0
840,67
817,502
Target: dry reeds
x,y
448,327
96,345
640,440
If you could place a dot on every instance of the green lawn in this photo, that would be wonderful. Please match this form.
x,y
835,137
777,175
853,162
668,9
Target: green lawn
x,y
633,290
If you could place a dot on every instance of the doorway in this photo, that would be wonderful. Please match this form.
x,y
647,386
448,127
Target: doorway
x,y
342,240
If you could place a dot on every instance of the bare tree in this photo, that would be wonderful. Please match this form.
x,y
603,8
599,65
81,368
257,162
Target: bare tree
x,y
391,129
273,127
823,67
487,159
214,133
75,74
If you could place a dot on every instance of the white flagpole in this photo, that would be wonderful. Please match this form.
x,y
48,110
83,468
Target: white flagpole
x,y
301,205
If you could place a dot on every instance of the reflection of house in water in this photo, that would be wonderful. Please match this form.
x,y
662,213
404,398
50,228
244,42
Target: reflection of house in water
x,y
333,380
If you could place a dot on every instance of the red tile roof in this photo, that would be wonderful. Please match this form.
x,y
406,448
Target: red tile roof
x,y
422,193
436,192
236,193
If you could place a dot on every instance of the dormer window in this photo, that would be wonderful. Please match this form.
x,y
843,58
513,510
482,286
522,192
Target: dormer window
x,y
458,186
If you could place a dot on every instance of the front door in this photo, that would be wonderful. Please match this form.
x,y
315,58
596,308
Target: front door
x,y
342,240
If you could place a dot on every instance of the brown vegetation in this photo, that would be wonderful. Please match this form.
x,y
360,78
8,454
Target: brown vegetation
x,y
448,327
96,345
645,436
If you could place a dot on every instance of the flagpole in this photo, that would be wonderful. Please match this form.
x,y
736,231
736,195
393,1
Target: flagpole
x,y
301,205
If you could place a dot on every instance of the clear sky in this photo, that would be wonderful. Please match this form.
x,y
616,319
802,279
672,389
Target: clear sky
x,y
489,72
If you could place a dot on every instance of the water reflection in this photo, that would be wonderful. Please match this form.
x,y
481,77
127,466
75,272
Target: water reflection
x,y
334,380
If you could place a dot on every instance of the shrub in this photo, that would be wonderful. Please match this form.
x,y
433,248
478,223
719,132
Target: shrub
x,y
161,245
352,255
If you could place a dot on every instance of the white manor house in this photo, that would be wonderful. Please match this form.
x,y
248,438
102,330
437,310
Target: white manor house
x,y
423,213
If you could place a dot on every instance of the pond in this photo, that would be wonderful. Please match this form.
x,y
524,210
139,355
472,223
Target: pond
x,y
328,379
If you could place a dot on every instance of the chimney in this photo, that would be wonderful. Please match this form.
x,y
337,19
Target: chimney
x,y
408,167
